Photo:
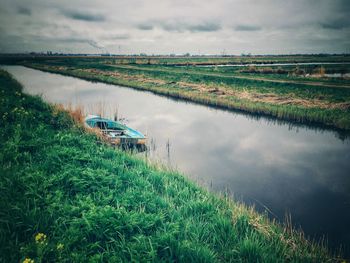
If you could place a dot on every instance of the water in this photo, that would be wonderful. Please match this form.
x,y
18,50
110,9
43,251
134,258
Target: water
x,y
301,170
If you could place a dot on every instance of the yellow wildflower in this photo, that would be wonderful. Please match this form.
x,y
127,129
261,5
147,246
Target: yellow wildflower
x,y
40,238
28,260
60,246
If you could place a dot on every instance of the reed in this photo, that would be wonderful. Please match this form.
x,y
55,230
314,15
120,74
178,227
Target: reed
x,y
77,113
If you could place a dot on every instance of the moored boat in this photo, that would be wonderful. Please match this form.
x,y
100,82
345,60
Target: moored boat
x,y
115,132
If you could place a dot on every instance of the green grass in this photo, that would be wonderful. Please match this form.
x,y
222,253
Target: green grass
x,y
98,204
234,82
330,117
168,60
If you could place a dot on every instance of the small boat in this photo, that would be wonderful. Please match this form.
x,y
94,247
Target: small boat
x,y
116,133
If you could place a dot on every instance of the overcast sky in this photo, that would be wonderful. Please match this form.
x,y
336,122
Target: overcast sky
x,y
175,26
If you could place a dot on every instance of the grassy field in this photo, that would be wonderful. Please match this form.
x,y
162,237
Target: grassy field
x,y
296,93
67,197
190,60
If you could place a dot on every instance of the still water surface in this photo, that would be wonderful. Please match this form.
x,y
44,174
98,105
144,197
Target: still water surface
x,y
301,170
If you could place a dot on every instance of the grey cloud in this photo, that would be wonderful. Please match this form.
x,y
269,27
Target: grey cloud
x,y
209,27
336,24
177,26
205,27
24,11
145,26
89,17
67,40
118,37
343,5
73,40
247,28
95,44
33,42
90,42
172,27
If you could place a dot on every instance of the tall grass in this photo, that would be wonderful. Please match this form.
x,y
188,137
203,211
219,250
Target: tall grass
x,y
77,113
67,198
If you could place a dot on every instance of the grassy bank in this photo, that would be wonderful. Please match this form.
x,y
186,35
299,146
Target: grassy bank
x,y
312,101
66,197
